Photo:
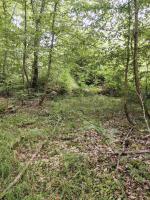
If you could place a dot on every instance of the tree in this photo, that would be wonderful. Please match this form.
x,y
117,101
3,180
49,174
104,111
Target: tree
x,y
37,21
127,66
50,52
7,21
25,45
135,59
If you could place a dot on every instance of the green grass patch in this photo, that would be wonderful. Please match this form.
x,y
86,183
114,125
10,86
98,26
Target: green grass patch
x,y
59,173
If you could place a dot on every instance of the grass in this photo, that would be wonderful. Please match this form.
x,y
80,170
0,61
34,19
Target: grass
x,y
69,166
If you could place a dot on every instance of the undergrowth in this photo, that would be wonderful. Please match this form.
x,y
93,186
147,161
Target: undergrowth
x,y
62,170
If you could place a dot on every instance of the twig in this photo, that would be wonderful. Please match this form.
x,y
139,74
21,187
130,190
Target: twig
x,y
125,153
19,176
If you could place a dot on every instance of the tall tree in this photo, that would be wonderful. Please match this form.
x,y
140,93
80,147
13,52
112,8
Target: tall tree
x,y
37,20
5,32
50,52
25,44
7,22
135,59
126,90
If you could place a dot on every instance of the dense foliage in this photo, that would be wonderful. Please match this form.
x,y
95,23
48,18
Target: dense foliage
x,y
74,99
73,44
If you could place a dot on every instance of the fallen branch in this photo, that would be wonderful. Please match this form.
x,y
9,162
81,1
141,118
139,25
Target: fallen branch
x,y
125,153
19,176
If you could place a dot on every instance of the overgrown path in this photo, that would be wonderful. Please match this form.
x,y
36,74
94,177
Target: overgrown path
x,y
77,160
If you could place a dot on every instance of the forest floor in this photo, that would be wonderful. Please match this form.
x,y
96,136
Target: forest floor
x,y
78,160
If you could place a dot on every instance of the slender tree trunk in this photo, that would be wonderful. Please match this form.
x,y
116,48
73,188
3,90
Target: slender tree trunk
x,y
50,54
135,55
146,89
25,44
35,67
147,74
126,93
146,81
5,63
5,41
135,60
6,36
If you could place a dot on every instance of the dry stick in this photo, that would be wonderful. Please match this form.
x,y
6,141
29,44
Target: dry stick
x,y
123,148
125,153
19,176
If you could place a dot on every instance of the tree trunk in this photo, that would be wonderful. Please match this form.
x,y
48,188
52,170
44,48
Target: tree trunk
x,y
35,67
135,55
5,42
25,44
6,36
135,60
146,81
50,54
127,67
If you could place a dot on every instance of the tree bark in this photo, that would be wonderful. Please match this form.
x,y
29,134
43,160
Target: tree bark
x,y
135,55
6,41
5,58
126,93
25,44
50,54
135,60
35,67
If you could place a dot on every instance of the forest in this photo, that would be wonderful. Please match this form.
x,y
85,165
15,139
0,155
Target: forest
x,y
74,99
